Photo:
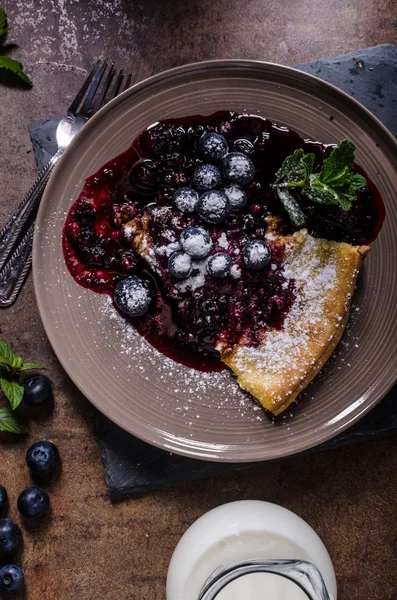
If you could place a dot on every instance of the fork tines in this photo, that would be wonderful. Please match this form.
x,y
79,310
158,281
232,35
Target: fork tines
x,y
97,89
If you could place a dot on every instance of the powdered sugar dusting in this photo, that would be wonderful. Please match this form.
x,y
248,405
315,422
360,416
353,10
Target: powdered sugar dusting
x,y
167,249
235,272
191,389
196,242
236,195
313,280
219,262
223,241
196,279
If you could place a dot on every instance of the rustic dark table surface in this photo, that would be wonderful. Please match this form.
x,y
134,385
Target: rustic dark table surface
x,y
91,549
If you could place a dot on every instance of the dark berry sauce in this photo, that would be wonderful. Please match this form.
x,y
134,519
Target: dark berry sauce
x,y
184,324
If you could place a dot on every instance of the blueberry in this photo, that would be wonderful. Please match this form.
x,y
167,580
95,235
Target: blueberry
x,y
236,196
244,146
185,199
213,146
180,265
133,296
238,168
206,177
196,242
3,498
219,265
33,502
43,458
213,206
11,579
256,255
37,390
10,537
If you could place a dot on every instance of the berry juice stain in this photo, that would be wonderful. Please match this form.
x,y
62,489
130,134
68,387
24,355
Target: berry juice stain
x,y
162,159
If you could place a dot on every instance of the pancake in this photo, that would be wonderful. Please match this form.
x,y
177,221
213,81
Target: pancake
x,y
323,277
287,359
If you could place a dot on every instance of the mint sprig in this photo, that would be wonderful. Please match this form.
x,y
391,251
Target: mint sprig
x,y
3,23
6,62
334,184
11,366
11,422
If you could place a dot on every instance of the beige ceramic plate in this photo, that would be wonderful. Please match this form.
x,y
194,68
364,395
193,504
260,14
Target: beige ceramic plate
x,y
206,415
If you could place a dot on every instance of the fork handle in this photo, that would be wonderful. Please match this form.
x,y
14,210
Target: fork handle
x,y
25,211
16,270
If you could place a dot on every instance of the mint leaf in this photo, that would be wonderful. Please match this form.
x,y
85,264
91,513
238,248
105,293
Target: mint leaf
x,y
295,169
5,370
6,363
338,164
11,365
17,363
13,65
27,366
6,353
321,192
334,184
295,213
11,422
356,181
13,392
3,22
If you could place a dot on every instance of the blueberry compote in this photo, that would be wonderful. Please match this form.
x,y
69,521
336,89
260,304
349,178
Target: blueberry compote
x,y
187,317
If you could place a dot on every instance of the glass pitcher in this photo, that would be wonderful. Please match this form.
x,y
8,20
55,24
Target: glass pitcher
x,y
303,575
250,549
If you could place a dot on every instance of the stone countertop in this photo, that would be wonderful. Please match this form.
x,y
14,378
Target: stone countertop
x,y
93,549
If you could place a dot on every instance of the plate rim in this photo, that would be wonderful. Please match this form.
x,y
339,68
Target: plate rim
x,y
387,141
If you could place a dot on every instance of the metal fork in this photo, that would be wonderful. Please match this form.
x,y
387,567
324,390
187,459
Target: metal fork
x,y
16,237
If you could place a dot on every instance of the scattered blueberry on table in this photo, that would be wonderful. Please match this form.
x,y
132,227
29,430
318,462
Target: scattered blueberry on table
x,y
133,296
37,390
196,242
3,498
10,537
180,265
256,255
43,458
213,207
219,265
11,579
33,503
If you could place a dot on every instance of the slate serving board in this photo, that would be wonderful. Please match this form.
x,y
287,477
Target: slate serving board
x,y
133,467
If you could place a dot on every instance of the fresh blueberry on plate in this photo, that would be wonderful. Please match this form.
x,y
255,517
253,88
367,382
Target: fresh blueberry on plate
x,y
236,196
196,242
180,265
238,168
43,458
206,177
37,390
256,255
11,579
33,503
219,265
185,199
213,207
10,537
244,146
213,146
133,296
3,498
